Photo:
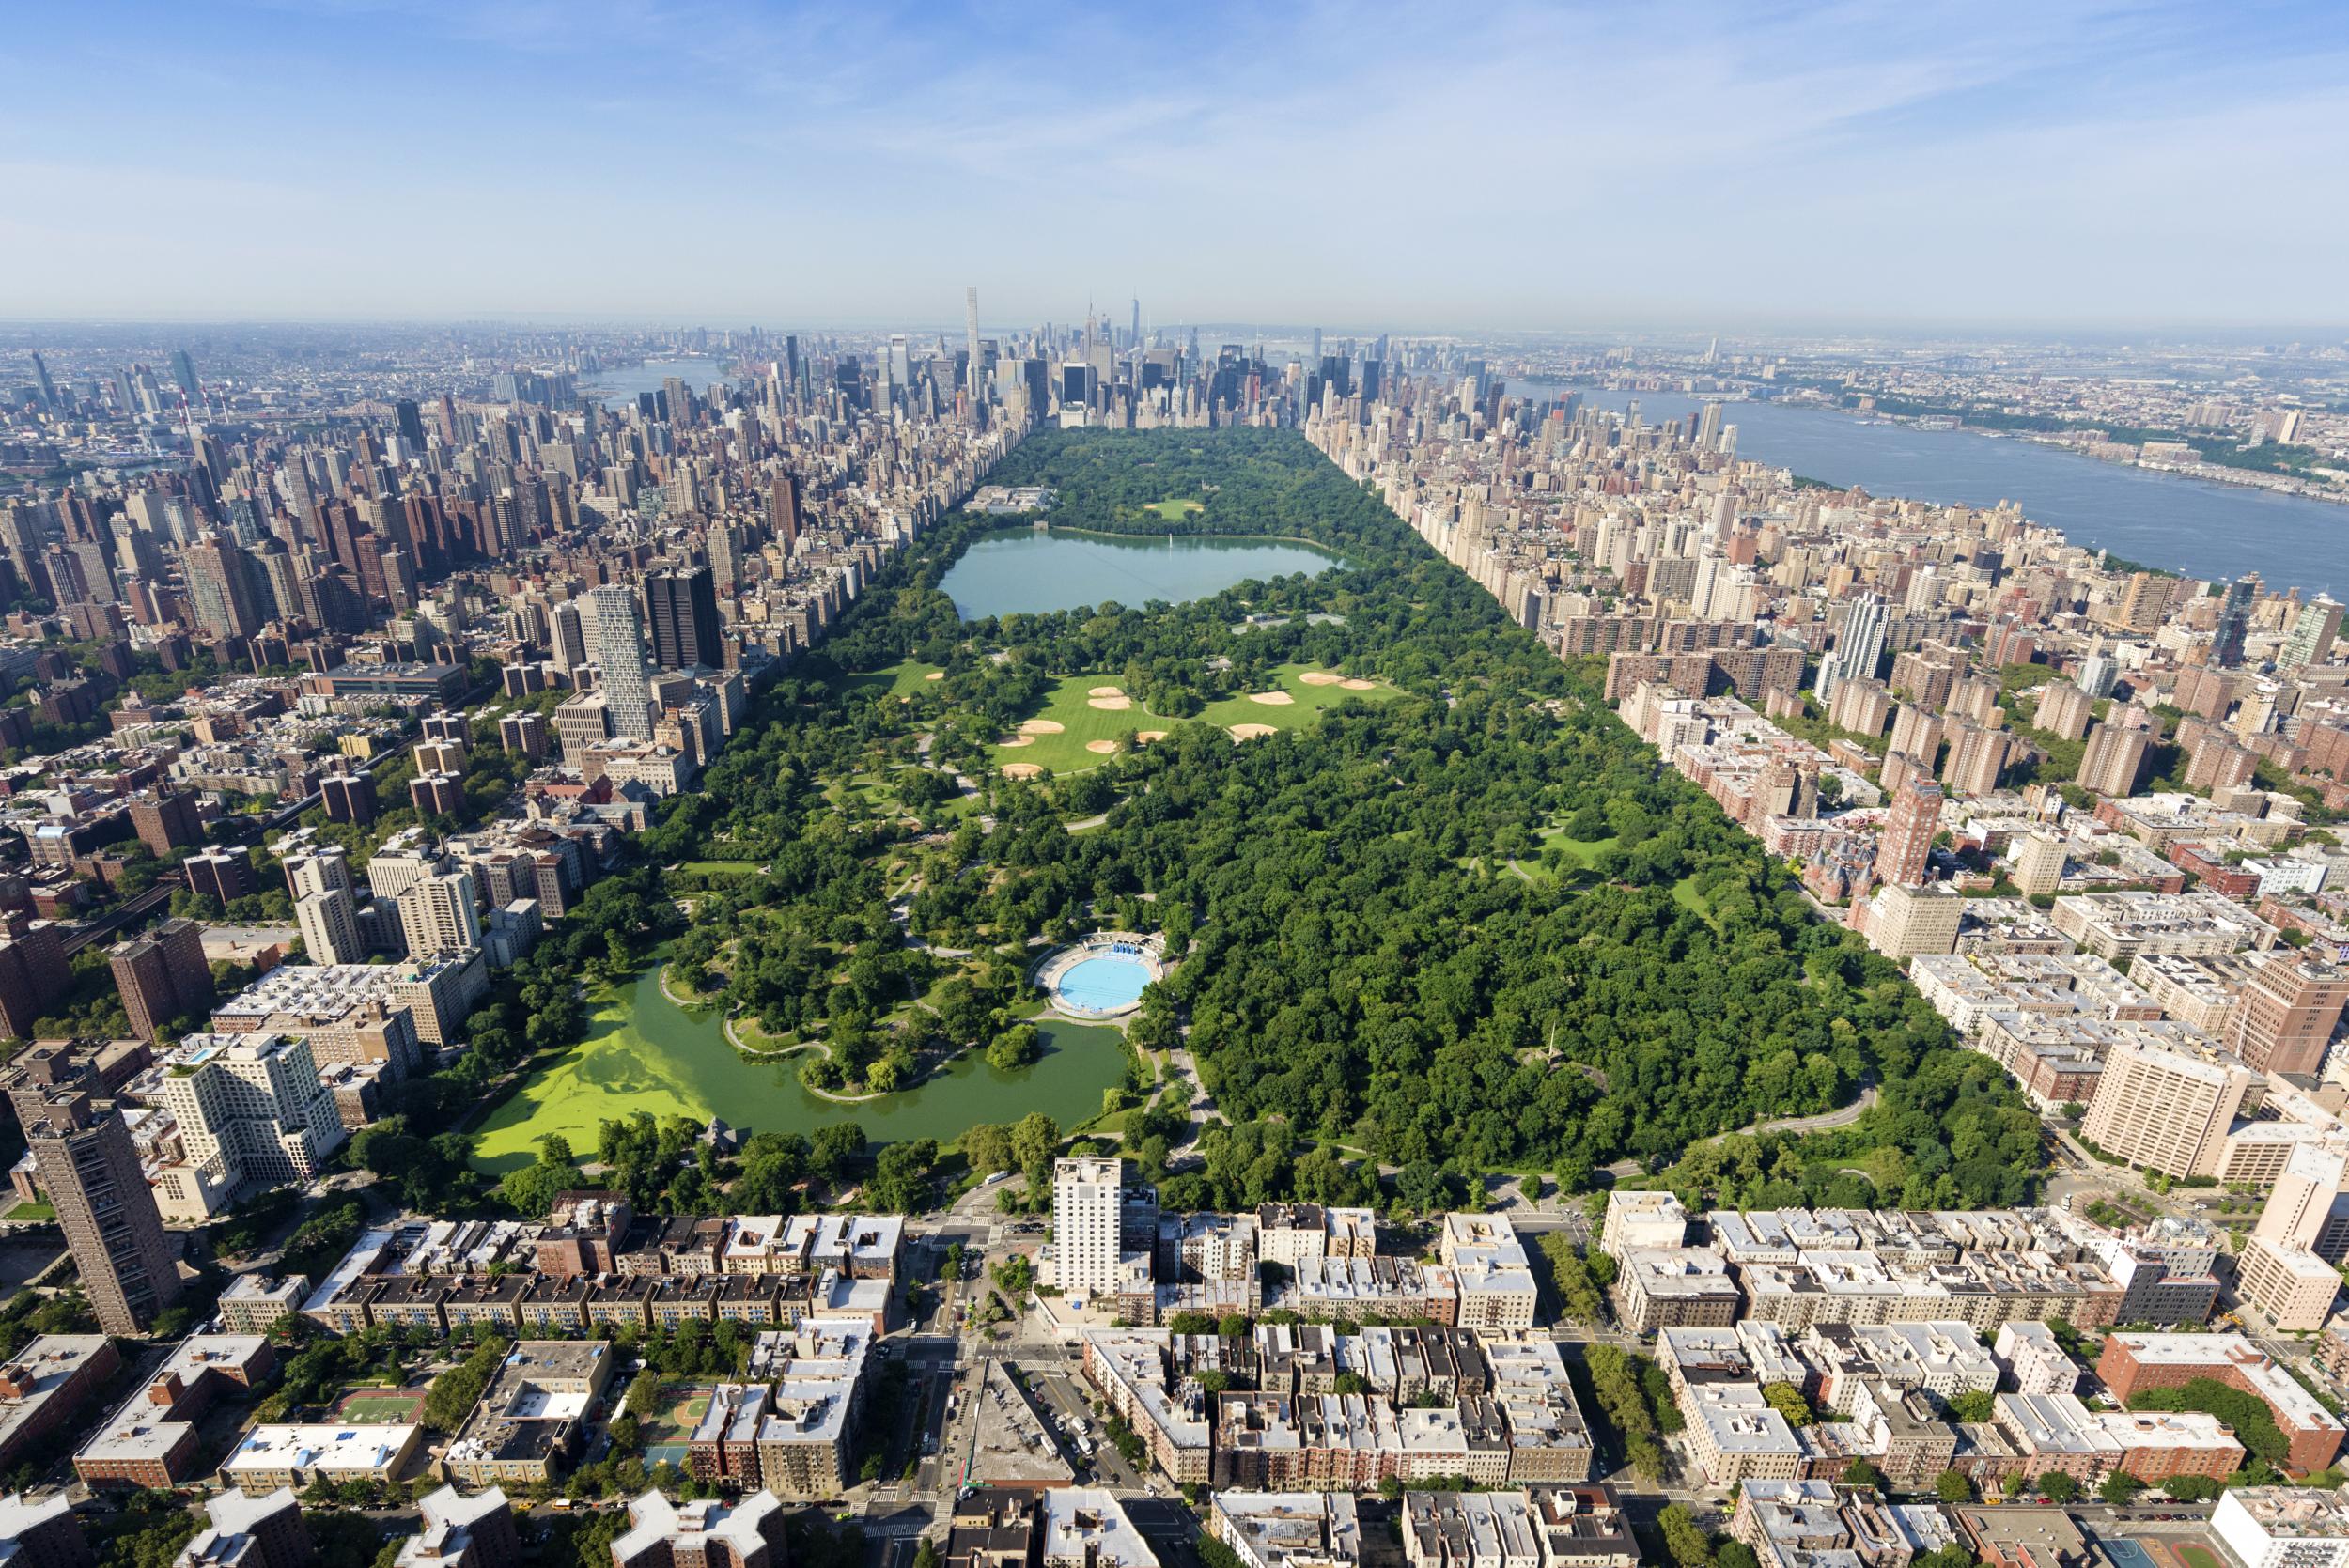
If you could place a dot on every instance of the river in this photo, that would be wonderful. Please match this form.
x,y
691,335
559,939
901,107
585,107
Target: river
x,y
621,383
2195,526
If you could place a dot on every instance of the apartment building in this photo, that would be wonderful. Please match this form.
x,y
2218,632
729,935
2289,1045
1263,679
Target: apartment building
x,y
277,1455
1674,1287
461,1531
2132,1361
530,1422
1287,1530
1491,1276
2283,1527
1640,1219
1088,1197
250,1530
1546,1526
706,1533
45,1385
2166,1110
151,1441
808,1435
1294,1234
251,1108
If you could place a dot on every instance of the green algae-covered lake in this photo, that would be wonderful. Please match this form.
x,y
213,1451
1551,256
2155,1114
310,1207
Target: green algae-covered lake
x,y
644,1053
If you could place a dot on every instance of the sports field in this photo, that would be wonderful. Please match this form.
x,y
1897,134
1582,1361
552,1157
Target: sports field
x,y
1085,719
668,1430
380,1407
1174,511
1308,699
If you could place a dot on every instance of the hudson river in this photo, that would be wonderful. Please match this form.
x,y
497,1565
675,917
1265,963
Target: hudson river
x,y
2185,525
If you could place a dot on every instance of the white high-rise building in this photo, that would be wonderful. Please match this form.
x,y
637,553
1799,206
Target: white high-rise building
x,y
2098,674
616,635
971,344
319,870
251,1108
1088,1205
1709,425
2166,1109
1859,647
2284,1527
329,920
438,915
399,866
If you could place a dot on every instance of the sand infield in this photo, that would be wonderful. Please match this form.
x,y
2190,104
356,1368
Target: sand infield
x,y
1103,748
1105,692
1041,726
1272,699
1254,732
1359,685
1145,736
1109,705
1320,677
1010,740
1021,771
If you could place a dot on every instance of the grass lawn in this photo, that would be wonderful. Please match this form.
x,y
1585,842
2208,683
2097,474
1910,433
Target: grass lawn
x,y
899,680
1582,851
719,868
2198,1557
1685,894
869,788
29,1211
1579,852
1174,511
1071,705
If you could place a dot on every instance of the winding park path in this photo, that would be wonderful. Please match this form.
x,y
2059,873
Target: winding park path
x,y
1825,1121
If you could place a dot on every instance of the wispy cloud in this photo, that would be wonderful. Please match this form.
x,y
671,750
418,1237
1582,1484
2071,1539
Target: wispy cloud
x,y
1520,162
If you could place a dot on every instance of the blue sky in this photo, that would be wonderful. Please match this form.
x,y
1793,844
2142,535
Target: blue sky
x,y
1725,167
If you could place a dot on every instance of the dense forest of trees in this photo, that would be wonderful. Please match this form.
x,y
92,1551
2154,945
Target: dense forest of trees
x,y
1358,969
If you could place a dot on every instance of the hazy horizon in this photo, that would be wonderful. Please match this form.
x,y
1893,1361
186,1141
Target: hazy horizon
x,y
1587,333
2065,168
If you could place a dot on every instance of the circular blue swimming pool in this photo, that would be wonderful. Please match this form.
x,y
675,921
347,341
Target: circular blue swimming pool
x,y
1107,984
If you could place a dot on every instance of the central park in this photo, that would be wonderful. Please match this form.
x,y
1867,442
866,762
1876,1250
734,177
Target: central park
x,y
1427,907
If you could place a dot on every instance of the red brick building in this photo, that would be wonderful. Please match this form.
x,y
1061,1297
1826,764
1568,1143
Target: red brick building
x,y
2132,1363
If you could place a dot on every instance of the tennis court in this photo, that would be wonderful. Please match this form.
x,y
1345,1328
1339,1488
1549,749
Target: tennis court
x,y
381,1408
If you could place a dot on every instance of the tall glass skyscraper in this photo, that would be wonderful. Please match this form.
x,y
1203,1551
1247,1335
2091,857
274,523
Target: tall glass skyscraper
x,y
616,639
